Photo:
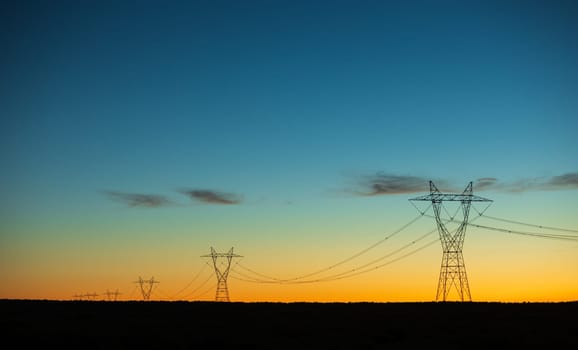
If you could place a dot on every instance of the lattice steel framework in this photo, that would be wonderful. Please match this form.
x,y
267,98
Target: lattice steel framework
x,y
146,287
453,269
222,268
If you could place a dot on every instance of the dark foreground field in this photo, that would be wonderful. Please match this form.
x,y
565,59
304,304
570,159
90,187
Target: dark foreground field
x,y
30,324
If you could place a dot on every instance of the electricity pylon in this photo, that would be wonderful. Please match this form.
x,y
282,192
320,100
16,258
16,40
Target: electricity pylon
x,y
111,296
222,271
453,269
86,296
146,287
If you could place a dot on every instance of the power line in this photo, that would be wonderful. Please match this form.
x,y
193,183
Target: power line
x,y
524,233
388,255
164,294
341,262
527,224
347,274
356,271
389,262
191,281
341,275
532,234
199,286
206,291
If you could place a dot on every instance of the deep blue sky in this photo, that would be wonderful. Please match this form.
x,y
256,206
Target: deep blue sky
x,y
276,102
319,86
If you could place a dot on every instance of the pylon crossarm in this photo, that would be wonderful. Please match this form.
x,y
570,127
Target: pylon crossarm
x,y
222,255
450,197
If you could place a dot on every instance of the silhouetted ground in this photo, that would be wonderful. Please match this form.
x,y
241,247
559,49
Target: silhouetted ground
x,y
35,324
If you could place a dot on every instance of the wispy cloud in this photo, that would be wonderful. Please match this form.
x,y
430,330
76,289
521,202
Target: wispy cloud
x,y
212,197
560,182
139,200
569,180
389,184
484,183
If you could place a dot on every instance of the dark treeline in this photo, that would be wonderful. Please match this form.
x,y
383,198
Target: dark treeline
x,y
191,325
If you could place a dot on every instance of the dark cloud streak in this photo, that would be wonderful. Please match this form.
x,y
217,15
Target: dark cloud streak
x,y
560,182
569,180
212,197
388,184
485,182
139,200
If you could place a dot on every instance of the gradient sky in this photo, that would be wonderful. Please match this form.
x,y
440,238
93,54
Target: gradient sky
x,y
135,135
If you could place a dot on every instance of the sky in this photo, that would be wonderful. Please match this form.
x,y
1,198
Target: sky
x,y
136,135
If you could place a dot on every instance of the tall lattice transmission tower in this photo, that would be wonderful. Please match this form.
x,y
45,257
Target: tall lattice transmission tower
x,y
453,270
146,287
222,265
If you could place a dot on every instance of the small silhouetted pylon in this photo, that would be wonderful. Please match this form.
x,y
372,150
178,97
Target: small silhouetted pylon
x,y
222,272
85,296
111,296
453,269
146,287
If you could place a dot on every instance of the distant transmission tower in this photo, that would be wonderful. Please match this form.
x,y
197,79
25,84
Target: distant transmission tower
x,y
86,296
112,296
453,269
222,271
146,287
